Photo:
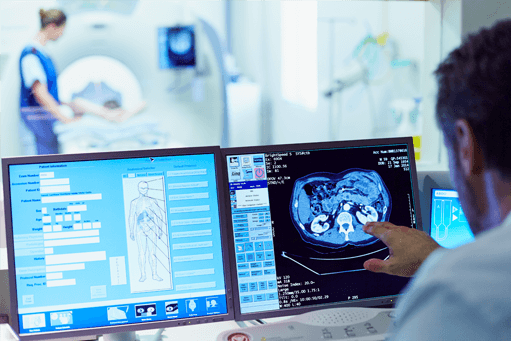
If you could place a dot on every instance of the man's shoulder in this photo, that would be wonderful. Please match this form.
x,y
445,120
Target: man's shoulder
x,y
474,275
484,261
489,252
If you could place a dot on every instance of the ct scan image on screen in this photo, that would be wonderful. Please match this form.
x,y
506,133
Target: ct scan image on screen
x,y
297,218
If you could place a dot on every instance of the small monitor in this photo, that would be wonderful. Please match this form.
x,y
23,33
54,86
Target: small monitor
x,y
108,242
296,217
449,226
443,216
176,47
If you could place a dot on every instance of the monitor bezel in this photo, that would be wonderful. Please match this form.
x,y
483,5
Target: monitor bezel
x,y
373,302
215,150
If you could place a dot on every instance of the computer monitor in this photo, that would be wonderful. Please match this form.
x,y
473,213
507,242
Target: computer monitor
x,y
109,242
176,47
297,211
444,218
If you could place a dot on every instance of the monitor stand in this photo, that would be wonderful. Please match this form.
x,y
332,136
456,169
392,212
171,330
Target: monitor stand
x,y
132,336
128,336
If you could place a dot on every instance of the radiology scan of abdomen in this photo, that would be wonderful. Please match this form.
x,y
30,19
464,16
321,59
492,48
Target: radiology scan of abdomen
x,y
330,209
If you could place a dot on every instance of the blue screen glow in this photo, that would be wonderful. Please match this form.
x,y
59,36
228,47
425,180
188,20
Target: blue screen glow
x,y
449,225
119,241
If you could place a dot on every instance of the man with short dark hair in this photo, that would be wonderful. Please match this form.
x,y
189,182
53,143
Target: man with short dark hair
x,y
464,293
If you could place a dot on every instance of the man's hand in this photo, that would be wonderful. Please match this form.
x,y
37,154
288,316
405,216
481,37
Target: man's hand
x,y
408,248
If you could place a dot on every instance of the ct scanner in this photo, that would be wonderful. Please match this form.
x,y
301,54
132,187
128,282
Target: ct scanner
x,y
186,106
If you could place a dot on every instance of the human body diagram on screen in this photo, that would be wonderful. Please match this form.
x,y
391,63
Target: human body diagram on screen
x,y
147,228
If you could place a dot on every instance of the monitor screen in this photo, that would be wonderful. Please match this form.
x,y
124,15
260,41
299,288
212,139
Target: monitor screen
x,y
108,241
176,47
296,223
449,225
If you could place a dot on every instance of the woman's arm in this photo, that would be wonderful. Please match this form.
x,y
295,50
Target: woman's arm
x,y
46,100
125,114
82,106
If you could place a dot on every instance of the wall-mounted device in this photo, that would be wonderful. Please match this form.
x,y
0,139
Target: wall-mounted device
x,y
176,47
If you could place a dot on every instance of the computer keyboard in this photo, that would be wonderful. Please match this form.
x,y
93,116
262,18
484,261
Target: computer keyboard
x,y
354,324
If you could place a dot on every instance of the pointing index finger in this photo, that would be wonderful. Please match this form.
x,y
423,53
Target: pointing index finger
x,y
378,229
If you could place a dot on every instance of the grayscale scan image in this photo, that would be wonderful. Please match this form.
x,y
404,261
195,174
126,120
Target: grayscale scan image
x,y
330,209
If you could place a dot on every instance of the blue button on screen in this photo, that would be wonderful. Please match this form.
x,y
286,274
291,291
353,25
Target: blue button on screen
x,y
249,247
271,296
250,257
259,246
247,299
259,298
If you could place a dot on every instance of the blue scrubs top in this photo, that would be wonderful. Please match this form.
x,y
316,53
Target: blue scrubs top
x,y
37,119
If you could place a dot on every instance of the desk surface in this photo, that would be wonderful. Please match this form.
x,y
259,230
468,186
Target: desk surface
x,y
6,333
201,332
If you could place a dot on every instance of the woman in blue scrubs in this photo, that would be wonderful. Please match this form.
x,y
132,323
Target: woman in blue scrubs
x,y
39,98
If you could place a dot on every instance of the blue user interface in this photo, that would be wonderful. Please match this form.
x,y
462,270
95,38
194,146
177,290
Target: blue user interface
x,y
449,226
119,241
297,220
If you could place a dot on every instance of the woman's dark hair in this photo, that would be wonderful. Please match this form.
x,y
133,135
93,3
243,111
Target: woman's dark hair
x,y
52,16
474,84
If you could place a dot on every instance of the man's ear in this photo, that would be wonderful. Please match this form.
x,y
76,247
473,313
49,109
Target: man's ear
x,y
469,154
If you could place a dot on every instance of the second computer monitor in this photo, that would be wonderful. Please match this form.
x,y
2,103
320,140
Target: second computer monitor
x,y
297,213
114,242
443,216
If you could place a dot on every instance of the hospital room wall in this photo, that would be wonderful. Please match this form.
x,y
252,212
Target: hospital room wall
x,y
213,11
19,20
257,46
477,14
461,18
255,43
